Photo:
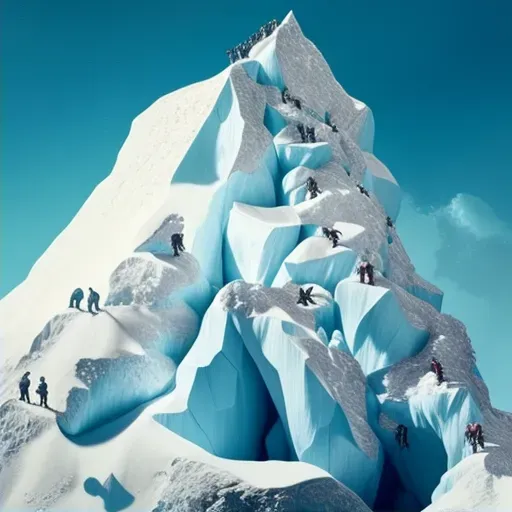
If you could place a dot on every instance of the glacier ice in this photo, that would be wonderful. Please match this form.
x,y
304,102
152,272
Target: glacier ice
x,y
203,383
320,419
268,233
220,401
376,328
314,260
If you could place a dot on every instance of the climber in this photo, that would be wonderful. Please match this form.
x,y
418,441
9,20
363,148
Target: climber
x,y
42,391
305,296
363,190
310,134
474,436
93,300
366,268
300,128
177,243
435,366
24,385
297,103
401,436
389,222
285,95
332,235
329,123
312,188
76,298
231,56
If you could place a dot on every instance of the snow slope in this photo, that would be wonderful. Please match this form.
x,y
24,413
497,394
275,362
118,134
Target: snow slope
x,y
203,384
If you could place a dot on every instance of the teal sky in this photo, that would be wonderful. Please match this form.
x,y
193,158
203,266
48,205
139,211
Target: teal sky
x,y
437,75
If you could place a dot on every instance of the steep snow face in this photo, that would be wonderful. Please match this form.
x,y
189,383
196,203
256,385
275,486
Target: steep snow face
x,y
169,387
105,229
99,367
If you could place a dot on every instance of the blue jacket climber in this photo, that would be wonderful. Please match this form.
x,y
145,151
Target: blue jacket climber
x,y
76,298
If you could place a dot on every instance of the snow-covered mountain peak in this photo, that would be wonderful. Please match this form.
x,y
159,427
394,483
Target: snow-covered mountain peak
x,y
266,359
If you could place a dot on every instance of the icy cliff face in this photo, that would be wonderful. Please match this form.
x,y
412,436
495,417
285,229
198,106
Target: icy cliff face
x,y
204,384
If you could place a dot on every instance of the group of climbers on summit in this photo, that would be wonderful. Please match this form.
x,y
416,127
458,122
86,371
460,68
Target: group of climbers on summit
x,y
241,51
93,300
42,390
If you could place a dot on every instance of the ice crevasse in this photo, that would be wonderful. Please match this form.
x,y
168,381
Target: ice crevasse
x,y
213,349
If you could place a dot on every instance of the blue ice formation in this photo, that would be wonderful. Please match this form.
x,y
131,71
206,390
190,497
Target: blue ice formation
x,y
220,400
338,342
317,427
436,424
314,260
292,153
376,330
132,359
276,443
256,188
114,386
257,241
294,185
378,180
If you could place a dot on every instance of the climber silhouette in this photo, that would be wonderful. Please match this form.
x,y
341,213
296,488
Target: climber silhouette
x,y
310,134
93,300
389,222
435,366
177,243
42,391
115,497
366,268
363,190
333,235
305,296
76,298
312,188
24,386
401,436
474,435
302,132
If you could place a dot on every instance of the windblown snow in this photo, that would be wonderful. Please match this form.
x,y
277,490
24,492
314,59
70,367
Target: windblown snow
x,y
204,383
